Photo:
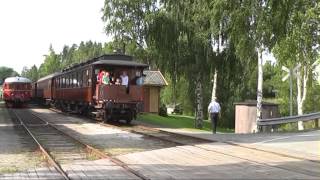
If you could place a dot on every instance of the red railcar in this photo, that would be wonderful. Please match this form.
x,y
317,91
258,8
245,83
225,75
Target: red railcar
x,y
16,90
76,88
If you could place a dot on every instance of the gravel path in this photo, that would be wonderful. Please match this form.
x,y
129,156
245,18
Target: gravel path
x,y
17,150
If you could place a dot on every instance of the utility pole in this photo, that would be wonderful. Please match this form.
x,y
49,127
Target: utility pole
x,y
291,73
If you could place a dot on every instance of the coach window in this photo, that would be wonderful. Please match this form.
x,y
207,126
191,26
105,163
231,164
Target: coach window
x,y
67,81
88,78
85,78
75,79
80,78
71,80
63,82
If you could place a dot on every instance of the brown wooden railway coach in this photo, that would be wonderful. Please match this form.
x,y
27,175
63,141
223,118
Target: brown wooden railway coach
x,y
77,88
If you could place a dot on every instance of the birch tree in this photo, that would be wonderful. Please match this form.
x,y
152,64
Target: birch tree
x,y
300,45
249,26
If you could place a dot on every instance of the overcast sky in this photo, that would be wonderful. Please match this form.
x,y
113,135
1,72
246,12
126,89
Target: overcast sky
x,y
28,27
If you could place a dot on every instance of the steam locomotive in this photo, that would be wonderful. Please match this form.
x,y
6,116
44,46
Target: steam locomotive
x,y
77,88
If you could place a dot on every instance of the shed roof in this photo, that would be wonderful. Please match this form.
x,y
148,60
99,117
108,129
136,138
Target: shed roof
x,y
154,78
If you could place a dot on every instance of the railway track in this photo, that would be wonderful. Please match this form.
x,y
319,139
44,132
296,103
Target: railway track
x,y
182,140
172,137
58,147
175,138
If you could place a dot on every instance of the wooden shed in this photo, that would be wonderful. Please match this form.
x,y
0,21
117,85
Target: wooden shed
x,y
246,115
153,82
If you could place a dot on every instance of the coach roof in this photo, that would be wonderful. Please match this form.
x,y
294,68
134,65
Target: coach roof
x,y
49,76
118,60
120,63
110,59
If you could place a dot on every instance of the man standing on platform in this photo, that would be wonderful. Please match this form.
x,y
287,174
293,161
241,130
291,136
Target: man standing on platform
x,y
214,110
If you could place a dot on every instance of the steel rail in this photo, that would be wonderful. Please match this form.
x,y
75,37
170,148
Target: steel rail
x,y
178,143
181,144
43,150
95,151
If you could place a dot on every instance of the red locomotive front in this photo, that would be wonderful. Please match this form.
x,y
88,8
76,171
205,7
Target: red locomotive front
x,y
16,90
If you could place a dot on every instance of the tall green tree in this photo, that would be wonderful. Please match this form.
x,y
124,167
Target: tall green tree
x,y
128,21
6,72
51,63
31,73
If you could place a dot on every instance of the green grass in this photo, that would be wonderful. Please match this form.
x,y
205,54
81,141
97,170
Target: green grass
x,y
178,122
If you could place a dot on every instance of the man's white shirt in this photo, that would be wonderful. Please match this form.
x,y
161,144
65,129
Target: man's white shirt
x,y
214,107
124,80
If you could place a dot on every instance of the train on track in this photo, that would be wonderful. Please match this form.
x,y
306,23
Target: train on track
x,y
16,91
79,89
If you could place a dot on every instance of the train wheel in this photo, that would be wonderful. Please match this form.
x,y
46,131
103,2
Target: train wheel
x,y
128,121
130,117
108,112
107,116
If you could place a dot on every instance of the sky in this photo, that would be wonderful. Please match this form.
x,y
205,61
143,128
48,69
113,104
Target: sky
x,y
28,27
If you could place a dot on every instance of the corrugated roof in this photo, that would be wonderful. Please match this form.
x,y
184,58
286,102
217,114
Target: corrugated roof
x,y
154,78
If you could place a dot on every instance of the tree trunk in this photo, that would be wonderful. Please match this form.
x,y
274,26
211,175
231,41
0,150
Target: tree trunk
x,y
174,84
214,87
199,103
302,91
260,86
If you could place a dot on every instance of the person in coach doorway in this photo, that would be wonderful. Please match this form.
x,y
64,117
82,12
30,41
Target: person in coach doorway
x,y
214,110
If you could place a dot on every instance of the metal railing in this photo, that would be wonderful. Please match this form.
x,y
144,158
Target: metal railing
x,y
289,119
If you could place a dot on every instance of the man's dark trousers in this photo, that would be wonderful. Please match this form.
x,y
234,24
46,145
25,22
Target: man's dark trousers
x,y
214,120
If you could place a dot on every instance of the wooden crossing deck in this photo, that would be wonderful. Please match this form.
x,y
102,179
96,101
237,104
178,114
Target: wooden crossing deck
x,y
218,161
99,169
36,173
